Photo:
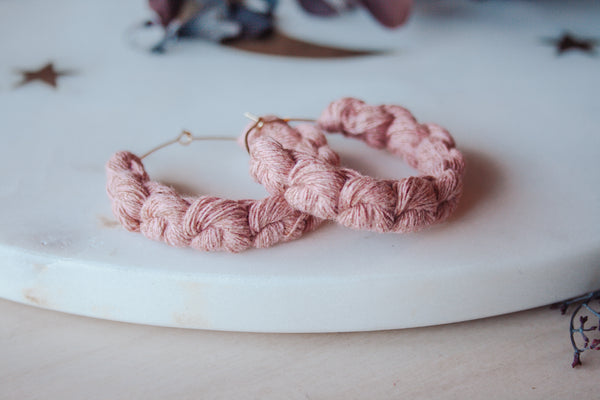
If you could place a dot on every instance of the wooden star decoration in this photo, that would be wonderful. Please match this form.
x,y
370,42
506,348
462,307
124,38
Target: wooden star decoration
x,y
47,74
568,42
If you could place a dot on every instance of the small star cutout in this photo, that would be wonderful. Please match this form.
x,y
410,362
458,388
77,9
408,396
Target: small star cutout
x,y
568,42
47,74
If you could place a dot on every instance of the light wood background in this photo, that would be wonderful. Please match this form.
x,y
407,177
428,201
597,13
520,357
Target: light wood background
x,y
51,355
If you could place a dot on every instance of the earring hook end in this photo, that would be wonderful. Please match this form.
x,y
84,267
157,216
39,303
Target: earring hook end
x,y
258,123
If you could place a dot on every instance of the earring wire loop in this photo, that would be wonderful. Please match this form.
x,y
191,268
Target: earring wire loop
x,y
184,139
260,122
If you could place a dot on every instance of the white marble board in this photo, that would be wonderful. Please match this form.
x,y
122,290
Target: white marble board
x,y
527,232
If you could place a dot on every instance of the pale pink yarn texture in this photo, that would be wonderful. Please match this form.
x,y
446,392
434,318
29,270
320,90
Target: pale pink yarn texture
x,y
205,222
298,164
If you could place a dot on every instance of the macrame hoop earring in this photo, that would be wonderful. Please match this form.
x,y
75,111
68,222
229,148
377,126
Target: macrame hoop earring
x,y
298,164
205,223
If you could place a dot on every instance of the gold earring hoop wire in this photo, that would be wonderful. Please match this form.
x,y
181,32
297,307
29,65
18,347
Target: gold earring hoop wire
x,y
259,122
184,139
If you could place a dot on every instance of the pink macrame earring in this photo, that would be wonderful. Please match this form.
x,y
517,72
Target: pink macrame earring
x,y
298,164
205,222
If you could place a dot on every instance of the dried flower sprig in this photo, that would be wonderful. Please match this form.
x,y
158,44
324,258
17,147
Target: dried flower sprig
x,y
580,334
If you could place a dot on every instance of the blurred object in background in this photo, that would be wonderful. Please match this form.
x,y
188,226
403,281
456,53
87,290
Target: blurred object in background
x,y
215,20
228,20
390,13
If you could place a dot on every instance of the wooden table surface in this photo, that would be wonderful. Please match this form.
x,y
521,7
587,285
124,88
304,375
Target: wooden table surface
x,y
52,355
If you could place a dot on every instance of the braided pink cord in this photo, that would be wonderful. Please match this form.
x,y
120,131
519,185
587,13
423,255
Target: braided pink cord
x,y
205,222
298,164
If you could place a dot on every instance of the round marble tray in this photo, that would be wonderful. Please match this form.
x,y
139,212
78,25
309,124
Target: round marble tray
x,y
527,231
